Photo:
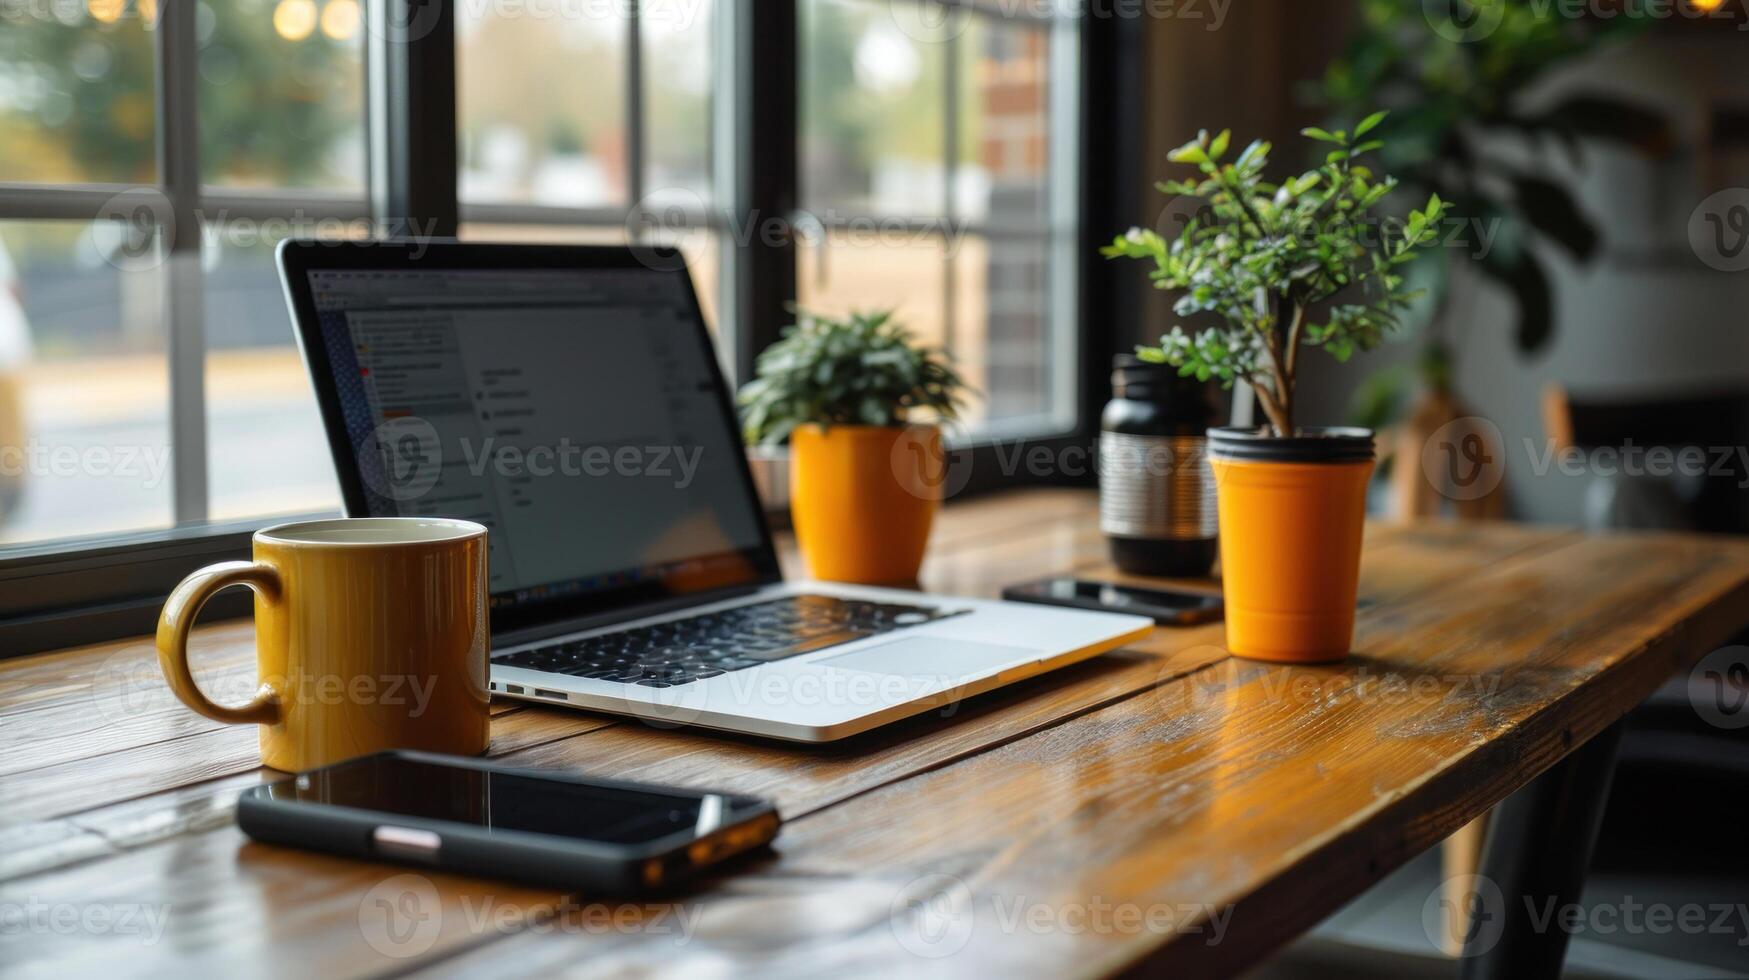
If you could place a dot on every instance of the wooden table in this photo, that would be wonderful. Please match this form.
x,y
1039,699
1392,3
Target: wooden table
x,y
1162,806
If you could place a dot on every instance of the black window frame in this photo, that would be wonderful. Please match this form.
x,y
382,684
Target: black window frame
x,y
68,592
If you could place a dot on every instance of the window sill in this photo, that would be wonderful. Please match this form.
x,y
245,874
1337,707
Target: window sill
x,y
68,592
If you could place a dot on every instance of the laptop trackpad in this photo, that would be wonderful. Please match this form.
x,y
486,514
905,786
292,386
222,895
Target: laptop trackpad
x,y
931,658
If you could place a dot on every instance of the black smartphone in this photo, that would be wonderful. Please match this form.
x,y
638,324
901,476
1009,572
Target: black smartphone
x,y
1169,607
473,817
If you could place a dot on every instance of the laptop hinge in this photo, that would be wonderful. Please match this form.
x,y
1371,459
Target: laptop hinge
x,y
560,627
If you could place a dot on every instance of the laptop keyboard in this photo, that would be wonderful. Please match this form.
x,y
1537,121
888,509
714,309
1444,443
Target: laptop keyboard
x,y
681,651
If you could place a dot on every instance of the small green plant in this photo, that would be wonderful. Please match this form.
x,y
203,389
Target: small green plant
x,y
1303,262
862,369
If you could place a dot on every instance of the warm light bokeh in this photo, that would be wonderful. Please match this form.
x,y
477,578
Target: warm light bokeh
x,y
340,19
105,11
294,20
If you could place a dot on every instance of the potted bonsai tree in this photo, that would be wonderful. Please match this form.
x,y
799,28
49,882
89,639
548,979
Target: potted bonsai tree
x,y
1278,268
861,405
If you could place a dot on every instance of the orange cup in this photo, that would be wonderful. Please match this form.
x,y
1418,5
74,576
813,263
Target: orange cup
x,y
1290,537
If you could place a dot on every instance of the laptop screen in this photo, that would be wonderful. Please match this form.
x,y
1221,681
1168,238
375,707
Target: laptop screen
x,y
575,412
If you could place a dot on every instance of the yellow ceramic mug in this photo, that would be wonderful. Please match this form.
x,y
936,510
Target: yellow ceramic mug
x,y
370,634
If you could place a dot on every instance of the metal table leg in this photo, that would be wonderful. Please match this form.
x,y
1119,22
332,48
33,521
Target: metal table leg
x,y
1538,849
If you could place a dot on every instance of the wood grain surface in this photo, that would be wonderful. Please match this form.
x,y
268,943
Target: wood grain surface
x,y
1160,806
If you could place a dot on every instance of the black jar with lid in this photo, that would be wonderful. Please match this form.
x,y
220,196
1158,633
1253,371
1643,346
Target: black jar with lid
x,y
1156,490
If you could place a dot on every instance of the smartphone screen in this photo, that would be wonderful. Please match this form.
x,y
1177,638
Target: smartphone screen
x,y
490,800
1124,596
1180,608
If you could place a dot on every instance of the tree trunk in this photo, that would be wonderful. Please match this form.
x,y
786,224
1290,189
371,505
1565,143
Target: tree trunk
x,y
1280,415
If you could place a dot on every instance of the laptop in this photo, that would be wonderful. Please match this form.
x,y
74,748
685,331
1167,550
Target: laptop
x,y
569,398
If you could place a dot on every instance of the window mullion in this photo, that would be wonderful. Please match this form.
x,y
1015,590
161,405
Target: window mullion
x,y
411,97
290,206
950,173
728,185
178,155
634,107
68,202
762,39
1064,148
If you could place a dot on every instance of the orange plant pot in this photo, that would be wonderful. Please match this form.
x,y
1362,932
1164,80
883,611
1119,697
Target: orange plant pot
x,y
1290,534
863,499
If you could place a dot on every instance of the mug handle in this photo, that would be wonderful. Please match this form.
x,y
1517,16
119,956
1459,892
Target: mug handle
x,y
178,618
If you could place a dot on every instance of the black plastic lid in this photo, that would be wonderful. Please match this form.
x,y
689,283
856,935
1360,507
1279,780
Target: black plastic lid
x,y
1310,445
1149,381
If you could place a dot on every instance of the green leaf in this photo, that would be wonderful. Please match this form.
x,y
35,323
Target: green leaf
x,y
1321,135
1549,209
1529,284
1219,147
1370,122
1256,153
1191,152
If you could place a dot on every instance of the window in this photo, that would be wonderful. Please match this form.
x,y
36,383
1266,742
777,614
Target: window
x,y
937,158
520,144
281,94
84,380
76,94
147,371
630,157
154,152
